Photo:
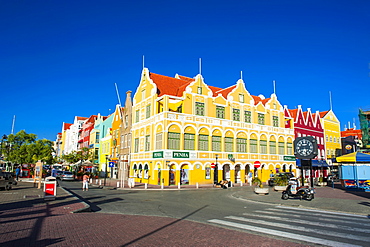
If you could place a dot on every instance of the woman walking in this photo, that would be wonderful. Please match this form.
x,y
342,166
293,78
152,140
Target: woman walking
x,y
85,182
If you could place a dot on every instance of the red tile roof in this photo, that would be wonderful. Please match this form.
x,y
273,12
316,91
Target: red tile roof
x,y
66,126
322,114
293,113
257,99
168,85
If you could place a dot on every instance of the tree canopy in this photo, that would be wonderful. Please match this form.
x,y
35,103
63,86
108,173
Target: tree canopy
x,y
24,148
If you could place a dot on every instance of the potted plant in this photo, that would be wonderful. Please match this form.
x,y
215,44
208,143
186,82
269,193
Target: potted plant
x,y
281,183
321,182
259,189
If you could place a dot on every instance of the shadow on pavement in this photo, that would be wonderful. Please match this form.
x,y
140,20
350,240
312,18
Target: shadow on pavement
x,y
163,227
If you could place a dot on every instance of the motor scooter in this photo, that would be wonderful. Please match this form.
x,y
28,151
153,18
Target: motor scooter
x,y
298,192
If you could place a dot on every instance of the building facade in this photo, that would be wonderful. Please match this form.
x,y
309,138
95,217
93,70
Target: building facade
x,y
185,131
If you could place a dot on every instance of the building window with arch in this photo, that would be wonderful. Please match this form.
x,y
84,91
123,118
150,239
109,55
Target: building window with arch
x,y
216,143
189,141
247,116
136,150
199,109
173,140
281,147
203,143
241,145
229,144
272,145
137,117
147,112
241,98
275,121
263,146
253,146
199,90
220,112
158,141
147,143
289,148
261,118
236,115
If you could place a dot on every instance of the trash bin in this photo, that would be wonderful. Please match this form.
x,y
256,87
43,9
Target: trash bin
x,y
50,188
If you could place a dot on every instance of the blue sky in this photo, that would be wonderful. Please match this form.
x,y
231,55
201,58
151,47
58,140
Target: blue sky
x,y
61,59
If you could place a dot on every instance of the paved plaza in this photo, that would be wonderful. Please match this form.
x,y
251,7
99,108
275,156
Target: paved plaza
x,y
28,220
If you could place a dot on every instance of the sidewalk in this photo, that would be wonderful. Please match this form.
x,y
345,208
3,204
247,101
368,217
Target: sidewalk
x,y
28,220
326,198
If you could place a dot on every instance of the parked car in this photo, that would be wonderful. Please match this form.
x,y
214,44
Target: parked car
x,y
66,175
288,175
58,174
7,180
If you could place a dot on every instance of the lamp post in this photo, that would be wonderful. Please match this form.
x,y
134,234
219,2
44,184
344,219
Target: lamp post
x,y
215,175
106,169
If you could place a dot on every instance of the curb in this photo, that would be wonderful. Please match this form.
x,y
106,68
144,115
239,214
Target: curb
x,y
86,207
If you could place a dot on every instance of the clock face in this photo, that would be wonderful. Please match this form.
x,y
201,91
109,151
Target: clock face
x,y
304,147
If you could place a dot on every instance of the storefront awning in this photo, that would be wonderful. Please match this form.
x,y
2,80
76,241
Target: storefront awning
x,y
315,163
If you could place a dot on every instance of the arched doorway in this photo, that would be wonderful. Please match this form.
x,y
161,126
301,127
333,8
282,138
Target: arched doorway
x,y
246,174
159,175
172,175
237,173
226,172
184,174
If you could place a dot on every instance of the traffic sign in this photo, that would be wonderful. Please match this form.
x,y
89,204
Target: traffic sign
x,y
213,165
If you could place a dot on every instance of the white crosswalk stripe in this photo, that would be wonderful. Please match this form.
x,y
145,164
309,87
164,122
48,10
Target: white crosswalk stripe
x,y
331,229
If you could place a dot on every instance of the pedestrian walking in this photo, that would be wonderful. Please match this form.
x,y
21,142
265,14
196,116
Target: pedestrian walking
x,y
85,182
17,172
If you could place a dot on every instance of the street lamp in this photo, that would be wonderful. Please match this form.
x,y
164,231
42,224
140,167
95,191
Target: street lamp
x,y
215,175
106,169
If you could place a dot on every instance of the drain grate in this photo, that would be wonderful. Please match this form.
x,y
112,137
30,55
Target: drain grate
x,y
31,196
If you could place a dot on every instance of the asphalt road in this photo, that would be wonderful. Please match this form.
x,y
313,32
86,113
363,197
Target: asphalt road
x,y
219,207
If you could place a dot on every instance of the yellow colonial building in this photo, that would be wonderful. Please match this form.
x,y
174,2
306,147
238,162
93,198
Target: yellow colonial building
x,y
185,131
332,136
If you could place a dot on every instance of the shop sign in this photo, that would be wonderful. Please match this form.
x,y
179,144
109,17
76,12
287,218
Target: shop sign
x,y
157,155
181,155
289,158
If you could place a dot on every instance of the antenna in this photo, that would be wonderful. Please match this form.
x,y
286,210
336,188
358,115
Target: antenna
x,y
331,105
241,75
274,84
200,66
119,100
13,125
143,61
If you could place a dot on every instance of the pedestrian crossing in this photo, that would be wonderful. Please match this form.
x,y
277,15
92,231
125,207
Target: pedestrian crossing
x,y
307,225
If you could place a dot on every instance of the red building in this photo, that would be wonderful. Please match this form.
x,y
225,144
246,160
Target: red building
x,y
308,124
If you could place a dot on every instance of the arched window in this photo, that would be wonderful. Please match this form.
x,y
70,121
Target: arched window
x,y
146,171
140,171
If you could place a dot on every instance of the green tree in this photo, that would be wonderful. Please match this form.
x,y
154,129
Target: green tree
x,y
23,148
75,156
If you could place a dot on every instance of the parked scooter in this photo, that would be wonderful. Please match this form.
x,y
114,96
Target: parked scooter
x,y
294,191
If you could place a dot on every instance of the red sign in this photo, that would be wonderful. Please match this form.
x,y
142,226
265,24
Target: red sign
x,y
50,189
213,165
257,164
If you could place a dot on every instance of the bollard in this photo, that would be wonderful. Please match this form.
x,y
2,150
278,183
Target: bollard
x,y
96,181
99,182
146,185
241,183
179,186
197,186
162,185
117,184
